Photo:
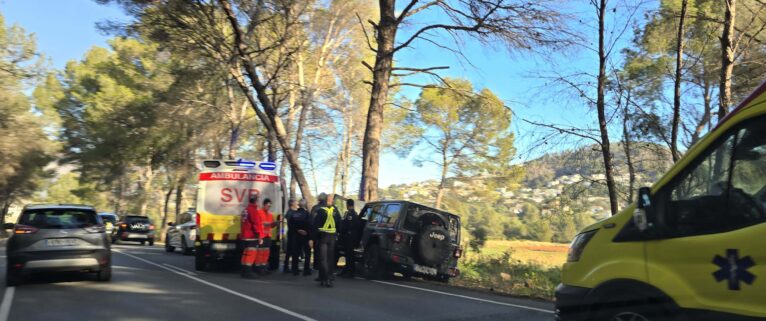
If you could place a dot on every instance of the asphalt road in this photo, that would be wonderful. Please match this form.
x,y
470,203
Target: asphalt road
x,y
149,284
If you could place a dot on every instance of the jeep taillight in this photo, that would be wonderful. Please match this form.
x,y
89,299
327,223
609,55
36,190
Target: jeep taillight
x,y
24,229
398,237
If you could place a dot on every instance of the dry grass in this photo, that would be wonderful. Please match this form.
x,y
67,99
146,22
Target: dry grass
x,y
544,254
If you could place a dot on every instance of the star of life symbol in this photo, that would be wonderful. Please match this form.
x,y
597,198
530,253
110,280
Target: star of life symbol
x,y
734,269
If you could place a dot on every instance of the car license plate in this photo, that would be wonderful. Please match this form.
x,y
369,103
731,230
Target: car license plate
x,y
223,246
425,270
60,242
137,236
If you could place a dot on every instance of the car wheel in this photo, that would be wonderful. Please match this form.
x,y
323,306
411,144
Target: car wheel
x,y
185,247
143,242
151,242
13,278
168,247
114,240
374,267
105,275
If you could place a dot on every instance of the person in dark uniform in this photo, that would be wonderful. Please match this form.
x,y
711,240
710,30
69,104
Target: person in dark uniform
x,y
325,231
349,238
321,203
299,223
292,205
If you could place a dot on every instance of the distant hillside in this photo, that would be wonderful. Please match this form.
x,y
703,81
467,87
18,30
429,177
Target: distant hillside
x,y
650,161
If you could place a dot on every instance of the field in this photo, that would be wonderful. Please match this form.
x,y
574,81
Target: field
x,y
523,268
544,254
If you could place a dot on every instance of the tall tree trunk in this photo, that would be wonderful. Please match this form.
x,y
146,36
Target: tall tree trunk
x,y
349,122
146,189
704,122
336,172
165,210
120,195
442,182
677,85
601,109
313,169
302,117
627,148
269,116
179,196
727,58
381,75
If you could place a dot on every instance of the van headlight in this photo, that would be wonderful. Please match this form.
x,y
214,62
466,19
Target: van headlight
x,y
578,245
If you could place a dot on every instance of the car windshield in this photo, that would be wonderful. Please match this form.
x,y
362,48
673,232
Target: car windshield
x,y
108,218
58,218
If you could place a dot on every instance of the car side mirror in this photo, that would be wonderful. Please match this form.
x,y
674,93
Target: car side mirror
x,y
170,224
644,216
9,226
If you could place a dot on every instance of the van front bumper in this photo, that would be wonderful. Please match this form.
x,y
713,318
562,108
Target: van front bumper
x,y
571,303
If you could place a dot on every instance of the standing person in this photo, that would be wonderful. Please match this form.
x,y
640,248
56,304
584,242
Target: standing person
x,y
300,224
251,232
321,203
325,231
292,208
267,220
350,238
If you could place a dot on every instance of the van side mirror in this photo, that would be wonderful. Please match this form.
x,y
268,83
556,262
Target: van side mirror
x,y
644,216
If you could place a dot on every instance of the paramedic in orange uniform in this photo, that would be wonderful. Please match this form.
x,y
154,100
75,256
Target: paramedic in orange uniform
x,y
267,219
251,233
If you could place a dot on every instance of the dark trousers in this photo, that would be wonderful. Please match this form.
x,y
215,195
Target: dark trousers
x,y
348,254
300,246
289,250
326,249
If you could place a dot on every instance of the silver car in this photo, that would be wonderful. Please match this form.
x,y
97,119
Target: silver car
x,y
57,238
182,234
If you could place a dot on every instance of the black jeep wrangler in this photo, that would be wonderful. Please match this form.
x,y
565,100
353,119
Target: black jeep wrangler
x,y
409,238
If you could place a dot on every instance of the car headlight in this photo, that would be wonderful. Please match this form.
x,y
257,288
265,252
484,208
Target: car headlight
x,y
578,245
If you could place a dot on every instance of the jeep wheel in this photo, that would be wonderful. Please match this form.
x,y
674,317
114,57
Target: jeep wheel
x,y
185,249
433,245
374,267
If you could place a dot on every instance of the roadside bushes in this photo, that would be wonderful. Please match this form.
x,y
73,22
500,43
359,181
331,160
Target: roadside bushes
x,y
506,275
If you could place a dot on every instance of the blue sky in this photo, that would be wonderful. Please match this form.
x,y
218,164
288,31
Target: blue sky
x,y
65,30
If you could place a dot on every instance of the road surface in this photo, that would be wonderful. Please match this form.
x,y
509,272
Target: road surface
x,y
150,284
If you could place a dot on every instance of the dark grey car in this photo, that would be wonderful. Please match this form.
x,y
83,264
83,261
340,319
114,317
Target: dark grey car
x,y
57,238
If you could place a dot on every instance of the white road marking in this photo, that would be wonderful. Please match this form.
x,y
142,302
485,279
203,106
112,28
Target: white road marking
x,y
179,269
466,297
5,307
227,290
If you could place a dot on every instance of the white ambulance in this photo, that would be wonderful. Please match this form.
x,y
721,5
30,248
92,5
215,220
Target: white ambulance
x,y
223,192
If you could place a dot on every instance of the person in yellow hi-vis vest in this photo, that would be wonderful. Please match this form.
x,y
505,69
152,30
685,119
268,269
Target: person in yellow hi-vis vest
x,y
325,232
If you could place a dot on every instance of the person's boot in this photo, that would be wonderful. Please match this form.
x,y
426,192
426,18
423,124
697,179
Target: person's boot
x,y
247,272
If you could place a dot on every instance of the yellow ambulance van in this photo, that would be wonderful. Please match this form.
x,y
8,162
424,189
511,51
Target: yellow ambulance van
x,y
692,247
224,188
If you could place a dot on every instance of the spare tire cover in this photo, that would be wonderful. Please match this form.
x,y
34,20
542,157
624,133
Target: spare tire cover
x,y
433,244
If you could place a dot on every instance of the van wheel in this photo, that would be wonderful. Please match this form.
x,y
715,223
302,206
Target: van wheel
x,y
636,311
143,242
185,249
374,267
200,263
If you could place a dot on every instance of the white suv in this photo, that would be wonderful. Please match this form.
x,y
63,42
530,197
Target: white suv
x,y
183,233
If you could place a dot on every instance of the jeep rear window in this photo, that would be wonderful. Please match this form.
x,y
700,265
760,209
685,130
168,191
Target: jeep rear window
x,y
58,218
136,219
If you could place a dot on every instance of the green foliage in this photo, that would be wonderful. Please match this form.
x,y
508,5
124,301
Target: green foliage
x,y
25,147
478,238
505,275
